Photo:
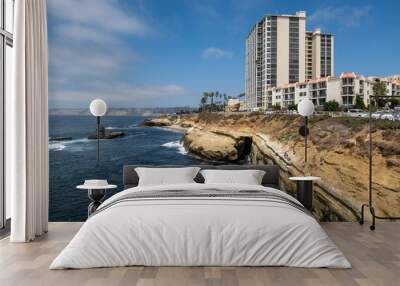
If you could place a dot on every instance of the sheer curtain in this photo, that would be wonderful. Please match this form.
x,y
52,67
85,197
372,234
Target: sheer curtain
x,y
27,123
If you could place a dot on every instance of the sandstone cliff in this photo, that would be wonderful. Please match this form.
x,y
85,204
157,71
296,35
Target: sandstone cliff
x,y
338,153
216,145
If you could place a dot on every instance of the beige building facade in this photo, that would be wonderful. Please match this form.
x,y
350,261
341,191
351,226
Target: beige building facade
x,y
280,51
319,55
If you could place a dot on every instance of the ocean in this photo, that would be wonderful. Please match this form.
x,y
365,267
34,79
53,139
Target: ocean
x,y
71,162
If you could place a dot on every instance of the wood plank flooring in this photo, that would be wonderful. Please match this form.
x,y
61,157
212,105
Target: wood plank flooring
x,y
375,257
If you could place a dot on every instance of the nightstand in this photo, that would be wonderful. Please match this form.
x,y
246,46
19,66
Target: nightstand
x,y
305,190
96,191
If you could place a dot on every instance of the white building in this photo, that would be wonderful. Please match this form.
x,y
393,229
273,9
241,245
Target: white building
x,y
280,51
392,83
343,89
233,105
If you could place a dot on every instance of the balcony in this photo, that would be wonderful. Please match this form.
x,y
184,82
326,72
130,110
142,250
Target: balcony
x,y
348,100
347,82
347,93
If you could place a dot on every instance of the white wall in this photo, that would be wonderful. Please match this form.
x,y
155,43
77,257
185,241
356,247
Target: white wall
x,y
316,55
282,68
334,90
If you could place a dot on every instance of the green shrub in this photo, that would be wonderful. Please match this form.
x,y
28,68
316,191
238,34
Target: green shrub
x,y
359,103
292,106
331,105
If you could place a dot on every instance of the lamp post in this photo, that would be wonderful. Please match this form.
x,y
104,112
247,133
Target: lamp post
x,y
305,183
305,108
98,108
369,205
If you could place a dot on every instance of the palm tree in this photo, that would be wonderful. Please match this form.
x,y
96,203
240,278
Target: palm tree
x,y
211,94
225,101
203,101
216,97
220,102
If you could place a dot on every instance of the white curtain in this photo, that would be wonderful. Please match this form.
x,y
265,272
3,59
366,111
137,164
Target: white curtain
x,y
27,123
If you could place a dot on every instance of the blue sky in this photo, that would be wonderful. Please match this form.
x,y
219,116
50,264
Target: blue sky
x,y
147,53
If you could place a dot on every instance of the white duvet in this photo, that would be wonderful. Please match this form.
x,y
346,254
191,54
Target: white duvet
x,y
200,231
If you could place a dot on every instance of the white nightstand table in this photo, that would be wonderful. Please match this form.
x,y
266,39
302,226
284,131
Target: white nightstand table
x,y
96,191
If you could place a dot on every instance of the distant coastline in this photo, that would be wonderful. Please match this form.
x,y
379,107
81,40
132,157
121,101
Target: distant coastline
x,y
155,111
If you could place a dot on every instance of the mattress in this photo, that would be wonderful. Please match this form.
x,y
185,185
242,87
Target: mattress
x,y
201,225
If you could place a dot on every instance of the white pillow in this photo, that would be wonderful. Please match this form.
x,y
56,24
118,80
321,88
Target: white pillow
x,y
248,177
166,176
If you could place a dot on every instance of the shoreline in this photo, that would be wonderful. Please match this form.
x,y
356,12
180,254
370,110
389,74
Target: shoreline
x,y
175,127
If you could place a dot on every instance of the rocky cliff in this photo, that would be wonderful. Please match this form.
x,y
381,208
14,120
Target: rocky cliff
x,y
217,145
338,153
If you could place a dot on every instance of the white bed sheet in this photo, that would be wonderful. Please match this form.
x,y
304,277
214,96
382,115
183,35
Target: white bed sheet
x,y
202,232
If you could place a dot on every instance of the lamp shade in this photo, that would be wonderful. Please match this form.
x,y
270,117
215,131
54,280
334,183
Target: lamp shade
x,y
98,107
305,107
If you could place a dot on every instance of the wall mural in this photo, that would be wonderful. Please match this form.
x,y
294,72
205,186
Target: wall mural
x,y
153,82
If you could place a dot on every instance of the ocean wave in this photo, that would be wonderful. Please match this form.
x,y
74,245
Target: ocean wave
x,y
121,128
61,145
168,129
56,146
177,145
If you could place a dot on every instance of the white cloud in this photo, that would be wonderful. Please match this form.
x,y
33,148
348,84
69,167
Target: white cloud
x,y
85,33
347,16
217,53
108,15
118,95
75,60
86,41
89,56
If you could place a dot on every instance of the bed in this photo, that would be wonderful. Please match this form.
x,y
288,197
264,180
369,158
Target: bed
x,y
197,224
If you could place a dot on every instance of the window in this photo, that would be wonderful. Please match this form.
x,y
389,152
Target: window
x,y
6,42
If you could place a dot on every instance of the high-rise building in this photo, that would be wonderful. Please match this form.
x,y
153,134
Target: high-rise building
x,y
280,51
319,54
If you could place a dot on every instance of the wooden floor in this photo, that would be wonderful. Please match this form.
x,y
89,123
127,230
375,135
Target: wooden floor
x,y
375,257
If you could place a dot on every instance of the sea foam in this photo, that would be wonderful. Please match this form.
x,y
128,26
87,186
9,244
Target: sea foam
x,y
59,146
177,145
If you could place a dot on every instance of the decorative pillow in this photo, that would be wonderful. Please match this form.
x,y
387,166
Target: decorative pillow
x,y
248,177
166,176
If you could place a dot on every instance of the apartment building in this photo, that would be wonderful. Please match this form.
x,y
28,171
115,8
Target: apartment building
x,y
392,83
343,89
319,54
280,51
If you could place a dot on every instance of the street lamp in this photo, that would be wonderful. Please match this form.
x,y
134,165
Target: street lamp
x,y
98,108
305,108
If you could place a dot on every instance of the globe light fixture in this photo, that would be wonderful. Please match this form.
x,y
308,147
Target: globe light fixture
x,y
305,108
98,108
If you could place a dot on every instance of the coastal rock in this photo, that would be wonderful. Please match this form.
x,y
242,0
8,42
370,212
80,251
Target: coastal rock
x,y
60,138
392,163
106,135
162,121
216,146
388,148
327,206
